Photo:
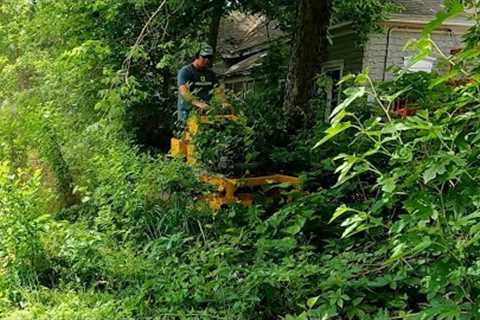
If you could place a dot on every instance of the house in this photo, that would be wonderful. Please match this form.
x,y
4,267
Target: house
x,y
244,40
243,43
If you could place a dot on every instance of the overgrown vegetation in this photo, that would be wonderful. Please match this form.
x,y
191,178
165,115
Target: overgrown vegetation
x,y
93,227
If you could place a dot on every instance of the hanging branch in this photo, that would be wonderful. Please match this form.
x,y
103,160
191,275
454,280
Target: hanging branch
x,y
140,38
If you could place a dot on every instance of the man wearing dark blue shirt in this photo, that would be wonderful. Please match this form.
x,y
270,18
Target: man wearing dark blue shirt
x,y
197,84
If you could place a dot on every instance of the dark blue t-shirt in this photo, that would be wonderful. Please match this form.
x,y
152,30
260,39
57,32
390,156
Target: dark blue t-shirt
x,y
199,82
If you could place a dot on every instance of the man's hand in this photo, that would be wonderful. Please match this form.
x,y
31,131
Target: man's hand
x,y
201,106
187,95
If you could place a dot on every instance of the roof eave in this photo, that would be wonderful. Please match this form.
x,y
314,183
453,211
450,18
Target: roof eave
x,y
457,24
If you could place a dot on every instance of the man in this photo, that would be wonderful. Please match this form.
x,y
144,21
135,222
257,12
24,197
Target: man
x,y
197,84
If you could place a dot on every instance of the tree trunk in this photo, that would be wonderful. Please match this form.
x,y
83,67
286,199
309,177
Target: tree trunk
x,y
307,54
217,13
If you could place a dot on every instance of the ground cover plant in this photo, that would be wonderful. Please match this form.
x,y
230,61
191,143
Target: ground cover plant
x,y
94,226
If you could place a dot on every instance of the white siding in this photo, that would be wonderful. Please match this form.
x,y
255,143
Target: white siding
x,y
375,49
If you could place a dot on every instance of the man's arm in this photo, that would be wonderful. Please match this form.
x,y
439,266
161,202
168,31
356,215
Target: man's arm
x,y
190,98
183,78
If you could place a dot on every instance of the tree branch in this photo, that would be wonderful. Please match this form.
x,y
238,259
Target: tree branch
x,y
140,38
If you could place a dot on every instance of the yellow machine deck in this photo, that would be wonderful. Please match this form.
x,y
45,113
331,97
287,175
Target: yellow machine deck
x,y
227,189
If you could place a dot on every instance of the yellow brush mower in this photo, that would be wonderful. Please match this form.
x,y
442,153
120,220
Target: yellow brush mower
x,y
228,190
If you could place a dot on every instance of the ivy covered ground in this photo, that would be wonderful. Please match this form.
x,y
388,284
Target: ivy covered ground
x,y
97,223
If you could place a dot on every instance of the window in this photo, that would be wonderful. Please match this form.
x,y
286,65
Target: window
x,y
229,86
249,87
333,70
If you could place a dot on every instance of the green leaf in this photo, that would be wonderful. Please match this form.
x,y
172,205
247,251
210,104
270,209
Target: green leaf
x,y
398,252
424,244
339,212
339,117
349,230
332,132
355,224
433,171
346,166
353,94
297,226
443,79
388,183
403,154
362,78
312,301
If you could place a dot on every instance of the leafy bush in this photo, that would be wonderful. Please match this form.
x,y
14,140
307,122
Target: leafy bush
x,y
225,146
131,195
418,214
22,221
415,88
66,305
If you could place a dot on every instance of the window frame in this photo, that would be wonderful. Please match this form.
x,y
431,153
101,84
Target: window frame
x,y
329,66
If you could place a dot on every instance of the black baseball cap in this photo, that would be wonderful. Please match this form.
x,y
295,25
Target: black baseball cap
x,y
206,51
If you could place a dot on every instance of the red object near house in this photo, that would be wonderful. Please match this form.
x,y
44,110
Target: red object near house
x,y
401,108
405,112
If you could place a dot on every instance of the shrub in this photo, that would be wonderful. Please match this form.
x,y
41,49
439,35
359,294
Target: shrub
x,y
412,235
22,222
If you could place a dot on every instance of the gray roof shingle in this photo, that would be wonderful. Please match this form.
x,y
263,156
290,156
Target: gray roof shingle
x,y
240,32
419,7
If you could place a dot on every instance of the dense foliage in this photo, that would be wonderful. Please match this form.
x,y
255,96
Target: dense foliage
x,y
94,227
417,214
225,146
